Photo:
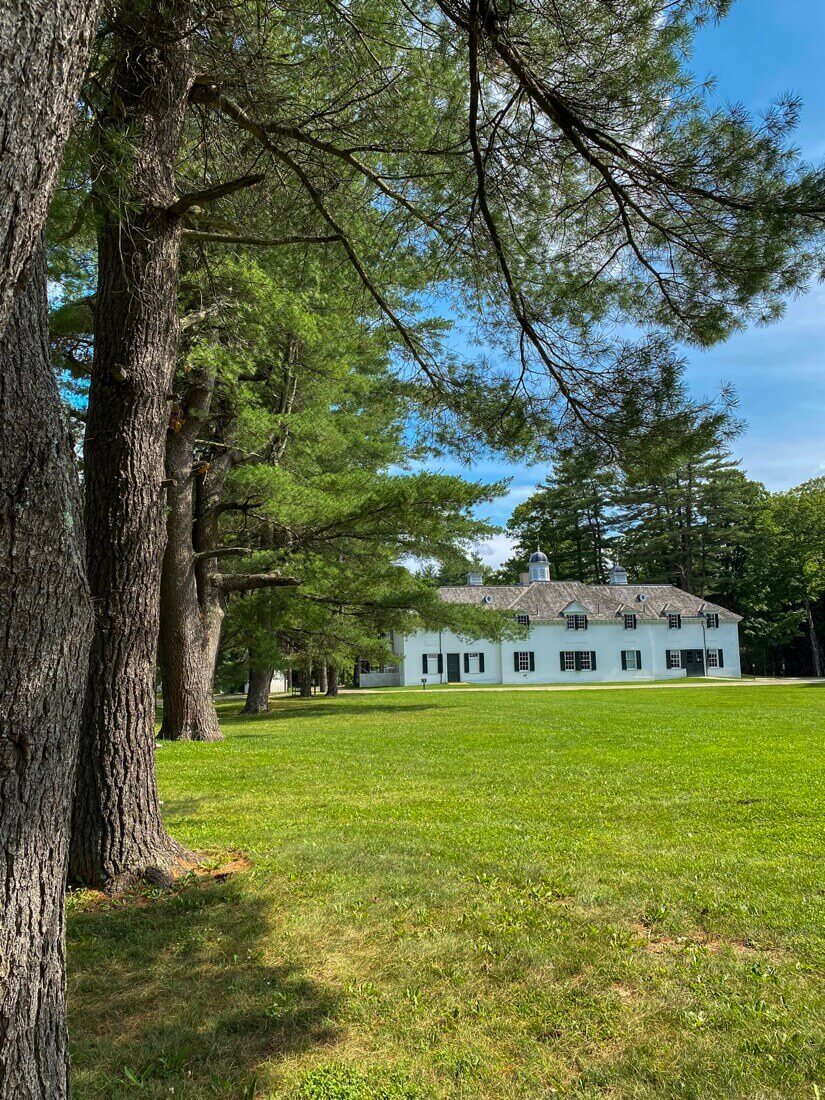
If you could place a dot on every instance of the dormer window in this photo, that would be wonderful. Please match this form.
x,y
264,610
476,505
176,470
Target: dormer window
x,y
674,621
630,621
576,622
523,620
712,619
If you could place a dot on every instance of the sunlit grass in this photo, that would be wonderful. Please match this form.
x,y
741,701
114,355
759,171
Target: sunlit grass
x,y
512,894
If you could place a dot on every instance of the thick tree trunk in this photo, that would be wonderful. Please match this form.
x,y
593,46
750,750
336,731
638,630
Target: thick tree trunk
x,y
44,49
260,684
306,681
118,835
323,679
44,643
332,680
186,645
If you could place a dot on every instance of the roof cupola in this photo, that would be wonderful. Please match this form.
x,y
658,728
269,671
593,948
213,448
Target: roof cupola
x,y
539,567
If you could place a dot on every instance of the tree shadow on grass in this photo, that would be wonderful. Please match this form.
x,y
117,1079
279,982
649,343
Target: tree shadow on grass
x,y
325,710
179,992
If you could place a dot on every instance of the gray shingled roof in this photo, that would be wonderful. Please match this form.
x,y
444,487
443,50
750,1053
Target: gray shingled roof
x,y
545,601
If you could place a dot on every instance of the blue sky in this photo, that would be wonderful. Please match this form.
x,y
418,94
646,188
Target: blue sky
x,y
763,49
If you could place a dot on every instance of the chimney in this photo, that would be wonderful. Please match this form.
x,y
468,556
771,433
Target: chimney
x,y
524,578
474,579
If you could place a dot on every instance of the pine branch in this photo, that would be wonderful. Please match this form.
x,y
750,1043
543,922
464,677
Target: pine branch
x,y
258,242
211,194
221,552
248,582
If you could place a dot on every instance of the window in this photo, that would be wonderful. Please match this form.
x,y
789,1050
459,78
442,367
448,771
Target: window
x,y
712,620
433,663
576,622
716,658
473,662
523,620
674,658
674,622
630,622
578,660
524,661
631,660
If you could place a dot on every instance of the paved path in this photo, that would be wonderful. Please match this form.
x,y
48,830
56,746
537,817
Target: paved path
x,y
709,682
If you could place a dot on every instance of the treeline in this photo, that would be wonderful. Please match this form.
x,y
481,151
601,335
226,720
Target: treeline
x,y
254,221
697,521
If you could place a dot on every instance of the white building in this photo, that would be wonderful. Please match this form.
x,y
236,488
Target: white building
x,y
578,633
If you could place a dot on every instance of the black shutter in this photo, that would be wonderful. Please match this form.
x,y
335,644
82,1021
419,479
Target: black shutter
x,y
624,660
466,662
721,658
638,659
441,662
578,660
515,662
593,660
532,661
561,658
424,663
481,662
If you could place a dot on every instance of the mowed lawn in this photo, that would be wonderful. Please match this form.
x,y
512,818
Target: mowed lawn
x,y
494,895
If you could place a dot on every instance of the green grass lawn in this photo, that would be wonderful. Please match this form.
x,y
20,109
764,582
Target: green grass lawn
x,y
513,894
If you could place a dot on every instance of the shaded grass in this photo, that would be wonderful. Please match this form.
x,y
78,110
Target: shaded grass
x,y
493,895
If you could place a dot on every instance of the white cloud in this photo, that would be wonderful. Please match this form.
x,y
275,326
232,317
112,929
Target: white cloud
x,y
496,549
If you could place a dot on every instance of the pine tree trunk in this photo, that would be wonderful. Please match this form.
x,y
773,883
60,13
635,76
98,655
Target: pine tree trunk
x,y
332,680
186,656
260,684
44,648
816,652
44,50
306,681
323,679
118,836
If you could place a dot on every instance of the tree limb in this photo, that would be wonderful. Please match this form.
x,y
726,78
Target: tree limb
x,y
261,242
248,582
210,194
221,552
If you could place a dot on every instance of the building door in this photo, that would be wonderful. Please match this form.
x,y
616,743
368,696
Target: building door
x,y
693,661
453,668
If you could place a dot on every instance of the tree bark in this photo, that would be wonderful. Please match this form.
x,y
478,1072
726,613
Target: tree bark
x,y
260,685
118,835
323,679
44,50
187,645
306,681
332,680
47,622
816,652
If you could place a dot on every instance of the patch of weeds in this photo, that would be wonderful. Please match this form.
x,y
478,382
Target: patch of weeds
x,y
336,1082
